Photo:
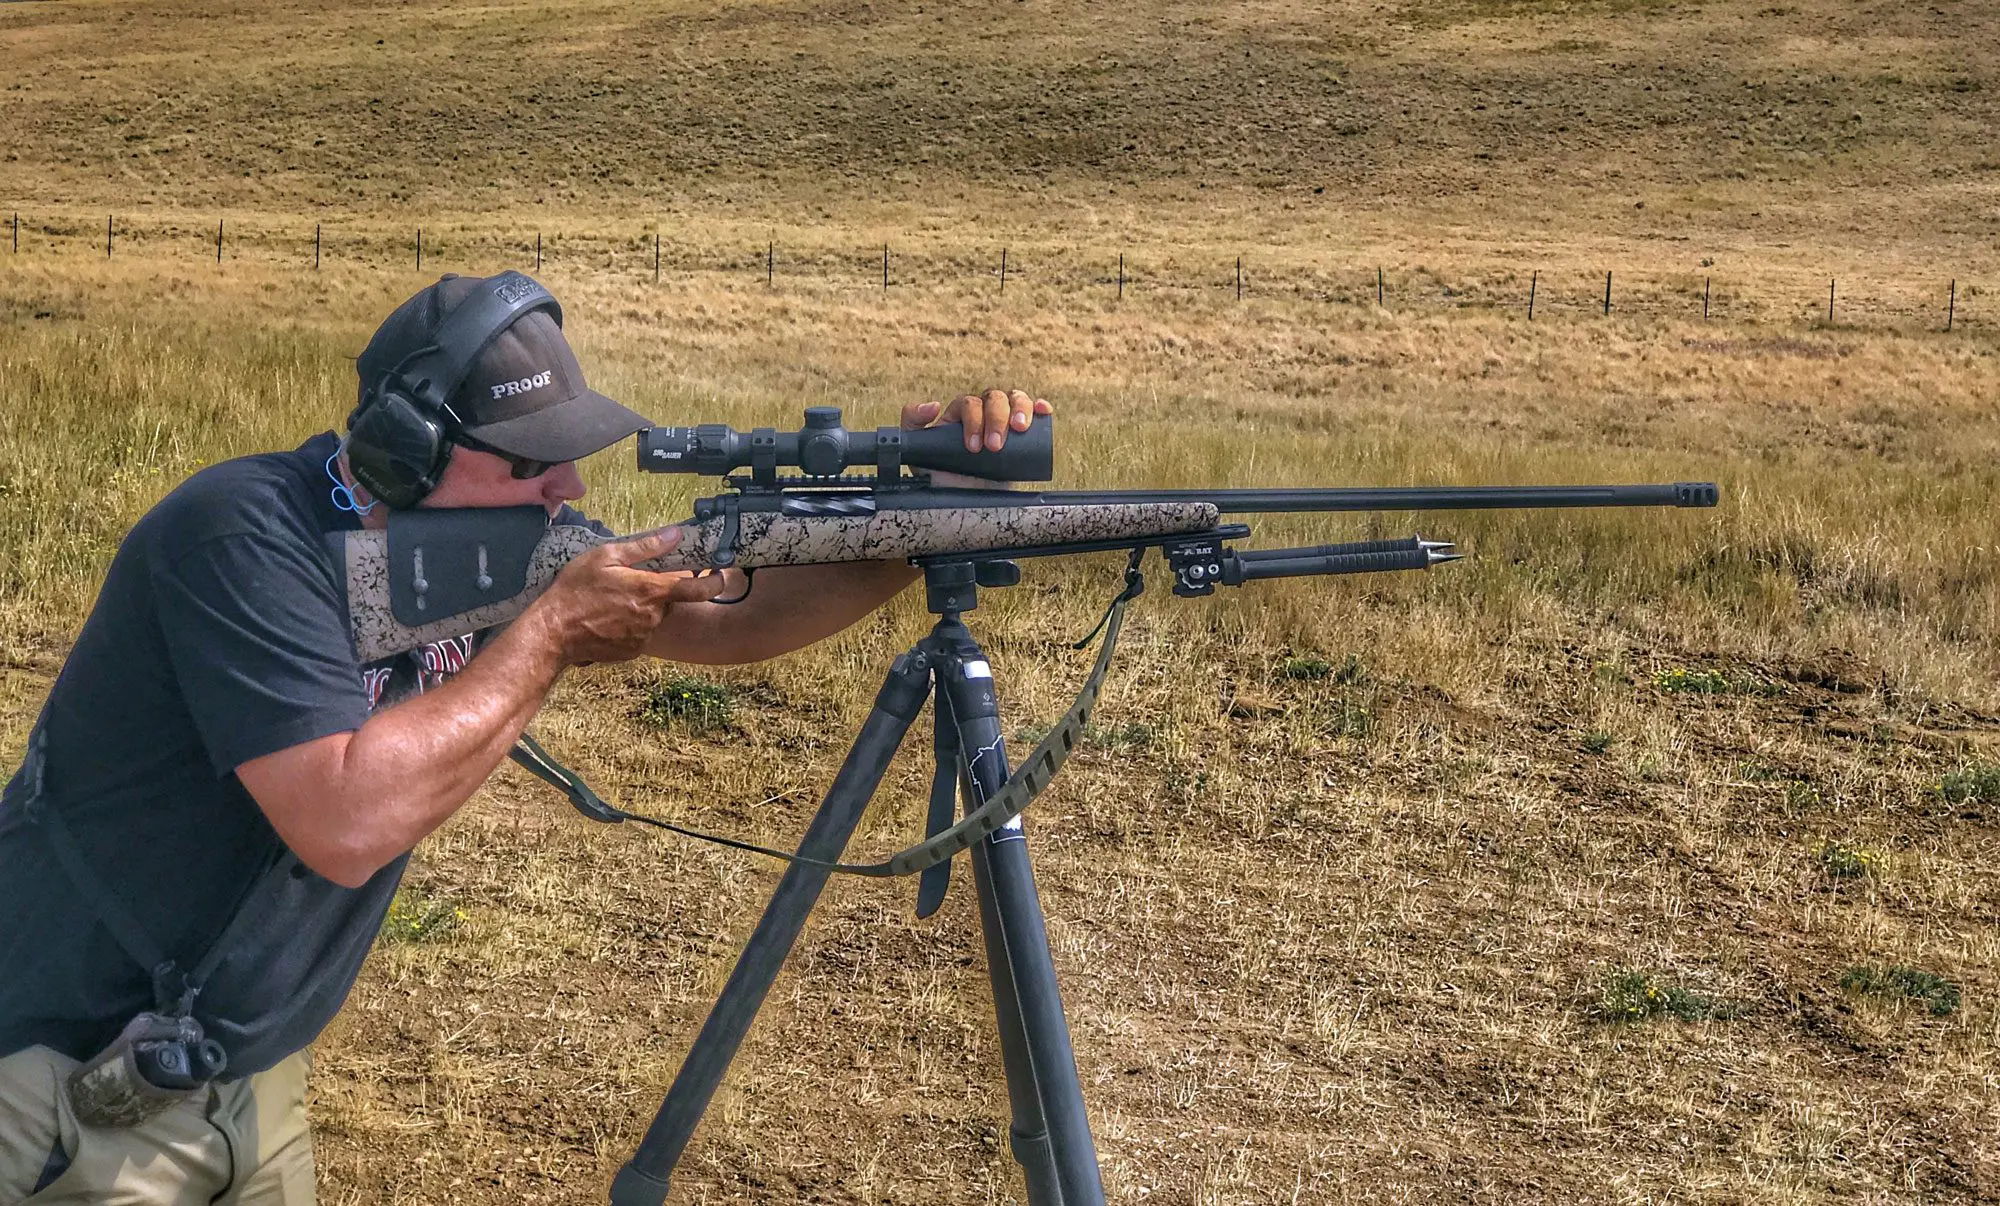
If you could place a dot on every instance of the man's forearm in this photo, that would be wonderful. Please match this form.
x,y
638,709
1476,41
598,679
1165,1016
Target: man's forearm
x,y
350,803
426,755
789,608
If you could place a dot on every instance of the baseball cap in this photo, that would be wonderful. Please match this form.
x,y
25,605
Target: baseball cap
x,y
525,394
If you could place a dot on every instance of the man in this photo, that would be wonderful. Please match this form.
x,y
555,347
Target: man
x,y
219,801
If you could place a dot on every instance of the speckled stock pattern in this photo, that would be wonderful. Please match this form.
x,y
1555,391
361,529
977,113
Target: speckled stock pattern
x,y
765,539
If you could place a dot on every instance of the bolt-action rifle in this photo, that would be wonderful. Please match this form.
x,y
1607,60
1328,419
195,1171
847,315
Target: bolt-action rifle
x,y
437,573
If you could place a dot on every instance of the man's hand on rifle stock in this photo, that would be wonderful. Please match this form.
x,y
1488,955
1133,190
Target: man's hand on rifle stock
x,y
601,609
987,417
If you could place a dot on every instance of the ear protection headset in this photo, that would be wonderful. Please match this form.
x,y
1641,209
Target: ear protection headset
x,y
399,437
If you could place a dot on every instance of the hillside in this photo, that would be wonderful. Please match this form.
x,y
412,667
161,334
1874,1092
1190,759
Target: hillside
x,y
1725,119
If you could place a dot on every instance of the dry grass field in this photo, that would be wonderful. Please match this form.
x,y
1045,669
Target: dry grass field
x,y
1641,857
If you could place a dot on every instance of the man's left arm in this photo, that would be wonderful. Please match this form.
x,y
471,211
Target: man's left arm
x,y
791,607
794,606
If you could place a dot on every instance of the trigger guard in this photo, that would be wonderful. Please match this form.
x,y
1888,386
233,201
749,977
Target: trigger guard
x,y
748,582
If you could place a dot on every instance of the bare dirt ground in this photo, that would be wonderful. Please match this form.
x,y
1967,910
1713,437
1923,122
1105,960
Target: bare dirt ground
x,y
1550,876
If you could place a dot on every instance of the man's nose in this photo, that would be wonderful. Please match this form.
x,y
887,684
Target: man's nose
x,y
563,484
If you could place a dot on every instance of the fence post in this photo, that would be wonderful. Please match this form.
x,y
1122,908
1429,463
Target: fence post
x,y
1950,305
107,236
1239,278
656,257
218,240
1533,280
538,251
1378,286
1706,281
1003,270
315,247
770,261
885,267
420,249
1829,301
1121,276
1607,293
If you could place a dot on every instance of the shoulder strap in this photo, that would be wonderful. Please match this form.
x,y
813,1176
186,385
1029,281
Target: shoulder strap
x,y
125,929
173,990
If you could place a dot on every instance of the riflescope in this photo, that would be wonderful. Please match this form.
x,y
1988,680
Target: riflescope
x,y
824,449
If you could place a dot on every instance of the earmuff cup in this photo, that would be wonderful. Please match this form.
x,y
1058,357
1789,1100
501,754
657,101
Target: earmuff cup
x,y
395,448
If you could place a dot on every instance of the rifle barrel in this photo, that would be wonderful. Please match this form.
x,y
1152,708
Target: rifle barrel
x,y
1409,498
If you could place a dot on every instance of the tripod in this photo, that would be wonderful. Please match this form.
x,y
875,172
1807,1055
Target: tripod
x,y
1050,1132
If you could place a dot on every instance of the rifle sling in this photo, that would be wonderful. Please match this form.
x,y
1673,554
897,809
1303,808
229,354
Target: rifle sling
x,y
1029,780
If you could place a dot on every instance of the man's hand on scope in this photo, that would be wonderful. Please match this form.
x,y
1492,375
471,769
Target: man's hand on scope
x,y
987,417
601,609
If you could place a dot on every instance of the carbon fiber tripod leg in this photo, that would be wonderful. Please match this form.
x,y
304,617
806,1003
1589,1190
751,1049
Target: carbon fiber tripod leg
x,y
644,1181
936,881
1050,1134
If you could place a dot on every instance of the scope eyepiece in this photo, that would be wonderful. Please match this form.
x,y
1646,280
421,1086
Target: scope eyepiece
x,y
824,448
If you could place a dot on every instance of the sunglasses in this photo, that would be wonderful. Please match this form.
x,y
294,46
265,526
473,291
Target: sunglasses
x,y
521,466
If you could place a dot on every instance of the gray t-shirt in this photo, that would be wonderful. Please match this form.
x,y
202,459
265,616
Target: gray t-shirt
x,y
219,636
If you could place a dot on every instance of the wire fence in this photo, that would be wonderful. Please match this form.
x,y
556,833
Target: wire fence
x,y
1768,295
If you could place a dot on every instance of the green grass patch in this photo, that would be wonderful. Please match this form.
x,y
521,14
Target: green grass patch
x,y
1899,983
1351,671
1306,669
1135,735
1650,769
1683,681
1596,743
1634,996
1346,718
1978,783
1801,795
693,702
417,920
1842,861
1184,782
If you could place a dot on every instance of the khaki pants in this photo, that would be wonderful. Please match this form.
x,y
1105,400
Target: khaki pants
x,y
241,1142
